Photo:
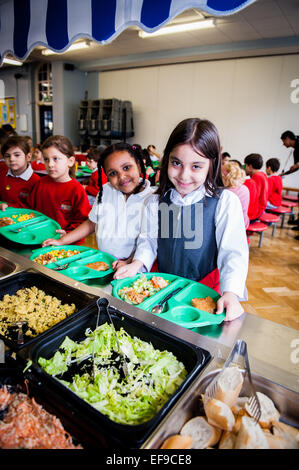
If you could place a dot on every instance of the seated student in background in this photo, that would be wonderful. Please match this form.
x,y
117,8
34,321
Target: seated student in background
x,y
253,165
10,131
150,173
274,183
18,181
233,178
92,187
37,161
225,158
59,195
3,138
154,156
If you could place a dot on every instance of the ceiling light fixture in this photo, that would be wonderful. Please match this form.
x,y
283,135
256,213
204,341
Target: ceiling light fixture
x,y
73,47
6,60
179,28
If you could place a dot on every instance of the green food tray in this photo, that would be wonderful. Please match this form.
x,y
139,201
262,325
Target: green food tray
x,y
77,269
178,309
32,234
85,169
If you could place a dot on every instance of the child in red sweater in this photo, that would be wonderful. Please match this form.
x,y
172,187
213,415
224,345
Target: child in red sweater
x,y
253,165
274,183
92,188
18,180
58,195
37,161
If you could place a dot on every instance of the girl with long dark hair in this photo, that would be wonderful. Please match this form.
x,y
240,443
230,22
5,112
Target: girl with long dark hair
x,y
191,226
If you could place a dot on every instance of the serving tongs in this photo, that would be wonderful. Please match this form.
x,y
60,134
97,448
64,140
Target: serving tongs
x,y
19,325
238,357
104,304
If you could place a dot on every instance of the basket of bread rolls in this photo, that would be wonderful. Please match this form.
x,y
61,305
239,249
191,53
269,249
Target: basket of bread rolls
x,y
224,421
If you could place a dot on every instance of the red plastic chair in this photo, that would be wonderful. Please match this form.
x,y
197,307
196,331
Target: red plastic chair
x,y
270,219
291,205
281,211
257,227
291,198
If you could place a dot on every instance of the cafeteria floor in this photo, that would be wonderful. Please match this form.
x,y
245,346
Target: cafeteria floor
x,y
272,281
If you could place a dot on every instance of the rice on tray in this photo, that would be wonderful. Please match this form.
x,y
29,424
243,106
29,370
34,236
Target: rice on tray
x,y
34,306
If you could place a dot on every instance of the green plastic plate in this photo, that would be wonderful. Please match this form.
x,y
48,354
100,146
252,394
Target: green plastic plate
x,y
29,232
178,309
77,269
85,169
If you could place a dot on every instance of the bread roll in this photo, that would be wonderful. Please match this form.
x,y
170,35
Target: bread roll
x,y
219,414
203,434
286,428
177,442
227,440
229,384
239,406
269,413
283,436
250,435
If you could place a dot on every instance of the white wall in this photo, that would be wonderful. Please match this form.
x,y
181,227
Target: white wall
x,y
249,100
21,90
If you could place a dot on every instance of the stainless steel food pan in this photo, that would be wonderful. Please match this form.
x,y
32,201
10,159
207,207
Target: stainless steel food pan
x,y
285,400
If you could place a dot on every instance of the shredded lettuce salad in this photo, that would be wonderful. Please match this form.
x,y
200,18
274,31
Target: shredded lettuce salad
x,y
153,375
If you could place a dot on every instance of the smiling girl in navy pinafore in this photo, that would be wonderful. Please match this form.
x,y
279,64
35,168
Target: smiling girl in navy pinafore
x,y
192,226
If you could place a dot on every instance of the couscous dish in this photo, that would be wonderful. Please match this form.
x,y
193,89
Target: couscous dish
x,y
33,306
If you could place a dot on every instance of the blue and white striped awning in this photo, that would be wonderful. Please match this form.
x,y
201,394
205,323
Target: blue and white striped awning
x,y
25,24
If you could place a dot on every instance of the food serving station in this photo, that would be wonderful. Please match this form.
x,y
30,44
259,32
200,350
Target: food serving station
x,y
202,350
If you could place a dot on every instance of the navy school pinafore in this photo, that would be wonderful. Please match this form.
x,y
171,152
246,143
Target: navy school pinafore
x,y
187,241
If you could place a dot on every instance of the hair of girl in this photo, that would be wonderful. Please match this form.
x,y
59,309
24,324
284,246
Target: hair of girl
x,y
133,151
233,175
64,145
203,137
15,141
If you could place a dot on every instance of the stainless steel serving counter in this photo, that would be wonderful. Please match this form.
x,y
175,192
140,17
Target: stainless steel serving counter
x,y
273,348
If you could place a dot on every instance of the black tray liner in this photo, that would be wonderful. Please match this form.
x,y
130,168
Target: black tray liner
x,y
51,287
115,434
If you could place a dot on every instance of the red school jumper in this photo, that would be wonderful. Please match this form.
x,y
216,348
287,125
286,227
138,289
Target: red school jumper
x,y
93,188
14,190
253,203
275,190
67,203
261,181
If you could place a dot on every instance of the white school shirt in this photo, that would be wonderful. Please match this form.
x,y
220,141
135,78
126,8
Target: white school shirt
x,y
118,221
231,240
26,175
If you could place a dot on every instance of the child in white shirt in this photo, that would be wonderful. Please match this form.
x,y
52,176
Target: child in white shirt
x,y
191,226
117,211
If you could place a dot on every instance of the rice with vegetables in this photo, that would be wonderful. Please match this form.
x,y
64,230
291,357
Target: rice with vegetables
x,y
34,306
54,255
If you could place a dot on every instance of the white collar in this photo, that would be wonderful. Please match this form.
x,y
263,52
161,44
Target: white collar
x,y
26,175
190,198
